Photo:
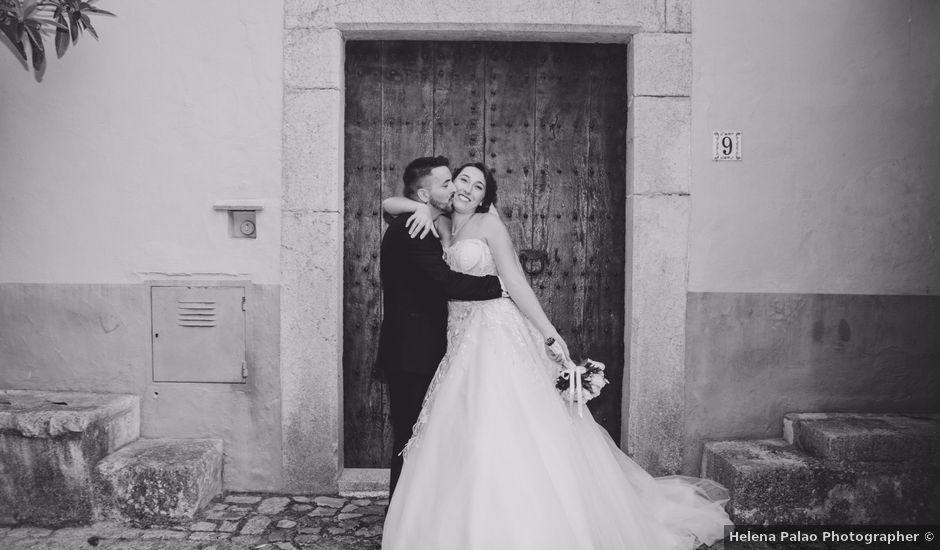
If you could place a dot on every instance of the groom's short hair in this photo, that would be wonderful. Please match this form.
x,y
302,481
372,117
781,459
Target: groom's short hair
x,y
417,170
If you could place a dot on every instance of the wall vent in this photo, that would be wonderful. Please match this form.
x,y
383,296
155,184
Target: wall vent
x,y
196,313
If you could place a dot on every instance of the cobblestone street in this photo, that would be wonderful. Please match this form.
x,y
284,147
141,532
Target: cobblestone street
x,y
233,521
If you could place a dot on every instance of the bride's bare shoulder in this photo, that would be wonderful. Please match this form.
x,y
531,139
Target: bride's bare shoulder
x,y
489,222
493,228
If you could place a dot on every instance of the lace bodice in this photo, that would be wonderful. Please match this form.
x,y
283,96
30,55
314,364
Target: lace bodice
x,y
471,256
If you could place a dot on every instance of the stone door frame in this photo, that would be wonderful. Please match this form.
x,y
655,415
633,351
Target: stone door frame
x,y
659,76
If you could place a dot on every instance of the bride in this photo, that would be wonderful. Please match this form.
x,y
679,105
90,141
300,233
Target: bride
x,y
497,460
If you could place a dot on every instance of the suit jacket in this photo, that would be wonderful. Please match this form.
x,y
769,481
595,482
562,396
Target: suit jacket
x,y
416,284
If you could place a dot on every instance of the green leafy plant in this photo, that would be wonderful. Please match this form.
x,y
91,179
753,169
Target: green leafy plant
x,y
30,21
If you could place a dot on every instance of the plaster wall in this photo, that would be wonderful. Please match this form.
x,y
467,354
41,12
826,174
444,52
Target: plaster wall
x,y
111,164
753,357
839,187
814,261
109,168
96,338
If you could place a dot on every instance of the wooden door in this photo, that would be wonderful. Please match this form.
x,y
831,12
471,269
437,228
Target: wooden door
x,y
550,120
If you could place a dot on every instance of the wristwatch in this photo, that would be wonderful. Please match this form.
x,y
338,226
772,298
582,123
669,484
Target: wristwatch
x,y
502,287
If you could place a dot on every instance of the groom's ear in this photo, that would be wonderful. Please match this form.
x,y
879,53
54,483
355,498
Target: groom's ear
x,y
423,195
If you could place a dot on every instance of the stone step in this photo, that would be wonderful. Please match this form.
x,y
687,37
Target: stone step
x,y
364,482
773,482
159,480
865,436
50,442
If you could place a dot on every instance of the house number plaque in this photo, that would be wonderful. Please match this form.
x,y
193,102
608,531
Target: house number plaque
x,y
726,145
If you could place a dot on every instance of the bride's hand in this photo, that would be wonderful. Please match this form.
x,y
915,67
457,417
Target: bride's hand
x,y
421,222
561,342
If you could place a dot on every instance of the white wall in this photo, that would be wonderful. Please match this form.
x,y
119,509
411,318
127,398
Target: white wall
x,y
109,167
839,187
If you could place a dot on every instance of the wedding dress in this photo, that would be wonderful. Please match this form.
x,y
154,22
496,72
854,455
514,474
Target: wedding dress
x,y
498,461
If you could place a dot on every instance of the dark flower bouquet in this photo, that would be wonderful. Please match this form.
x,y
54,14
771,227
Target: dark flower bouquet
x,y
577,383
592,378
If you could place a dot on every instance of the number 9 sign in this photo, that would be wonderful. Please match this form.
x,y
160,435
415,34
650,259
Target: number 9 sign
x,y
726,145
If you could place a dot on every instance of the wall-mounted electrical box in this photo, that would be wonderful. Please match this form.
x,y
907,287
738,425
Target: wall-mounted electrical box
x,y
242,222
198,333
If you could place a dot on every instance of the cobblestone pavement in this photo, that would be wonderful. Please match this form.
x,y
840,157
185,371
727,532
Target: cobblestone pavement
x,y
233,521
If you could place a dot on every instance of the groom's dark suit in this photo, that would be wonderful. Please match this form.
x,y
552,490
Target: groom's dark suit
x,y
416,285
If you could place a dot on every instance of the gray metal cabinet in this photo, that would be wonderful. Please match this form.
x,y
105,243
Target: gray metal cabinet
x,y
198,334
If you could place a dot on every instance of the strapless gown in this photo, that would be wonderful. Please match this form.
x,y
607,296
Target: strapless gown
x,y
498,461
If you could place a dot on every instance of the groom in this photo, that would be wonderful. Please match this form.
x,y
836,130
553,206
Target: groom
x,y
416,284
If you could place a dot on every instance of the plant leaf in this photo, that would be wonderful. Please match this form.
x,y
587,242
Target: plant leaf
x,y
44,24
20,47
29,6
9,26
33,31
73,17
14,29
39,52
62,36
91,30
99,11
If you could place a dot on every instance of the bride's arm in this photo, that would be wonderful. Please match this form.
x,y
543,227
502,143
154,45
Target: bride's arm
x,y
400,205
420,221
514,279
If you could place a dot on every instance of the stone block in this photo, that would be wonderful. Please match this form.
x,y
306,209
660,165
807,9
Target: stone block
x,y
364,482
657,282
50,443
865,436
659,157
50,414
273,505
313,58
467,20
256,525
159,480
772,482
311,344
678,15
330,502
660,65
312,156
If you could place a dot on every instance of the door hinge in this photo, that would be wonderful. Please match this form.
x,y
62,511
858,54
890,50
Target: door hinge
x,y
244,370
243,304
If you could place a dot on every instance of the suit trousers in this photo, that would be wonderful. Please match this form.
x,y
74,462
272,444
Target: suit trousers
x,y
406,392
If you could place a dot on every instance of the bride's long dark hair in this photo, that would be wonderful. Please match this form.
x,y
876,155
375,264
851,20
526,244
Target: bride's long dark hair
x,y
489,195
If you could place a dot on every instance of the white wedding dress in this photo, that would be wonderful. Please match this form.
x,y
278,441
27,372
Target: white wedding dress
x,y
499,462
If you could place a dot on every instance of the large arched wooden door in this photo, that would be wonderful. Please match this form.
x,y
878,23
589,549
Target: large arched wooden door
x,y
550,120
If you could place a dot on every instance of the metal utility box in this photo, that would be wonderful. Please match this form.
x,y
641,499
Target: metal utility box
x,y
198,333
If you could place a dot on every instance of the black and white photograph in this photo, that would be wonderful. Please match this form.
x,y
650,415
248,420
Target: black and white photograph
x,y
480,275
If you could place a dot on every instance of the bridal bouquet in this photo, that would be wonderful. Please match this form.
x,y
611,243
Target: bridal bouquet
x,y
577,383
592,381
